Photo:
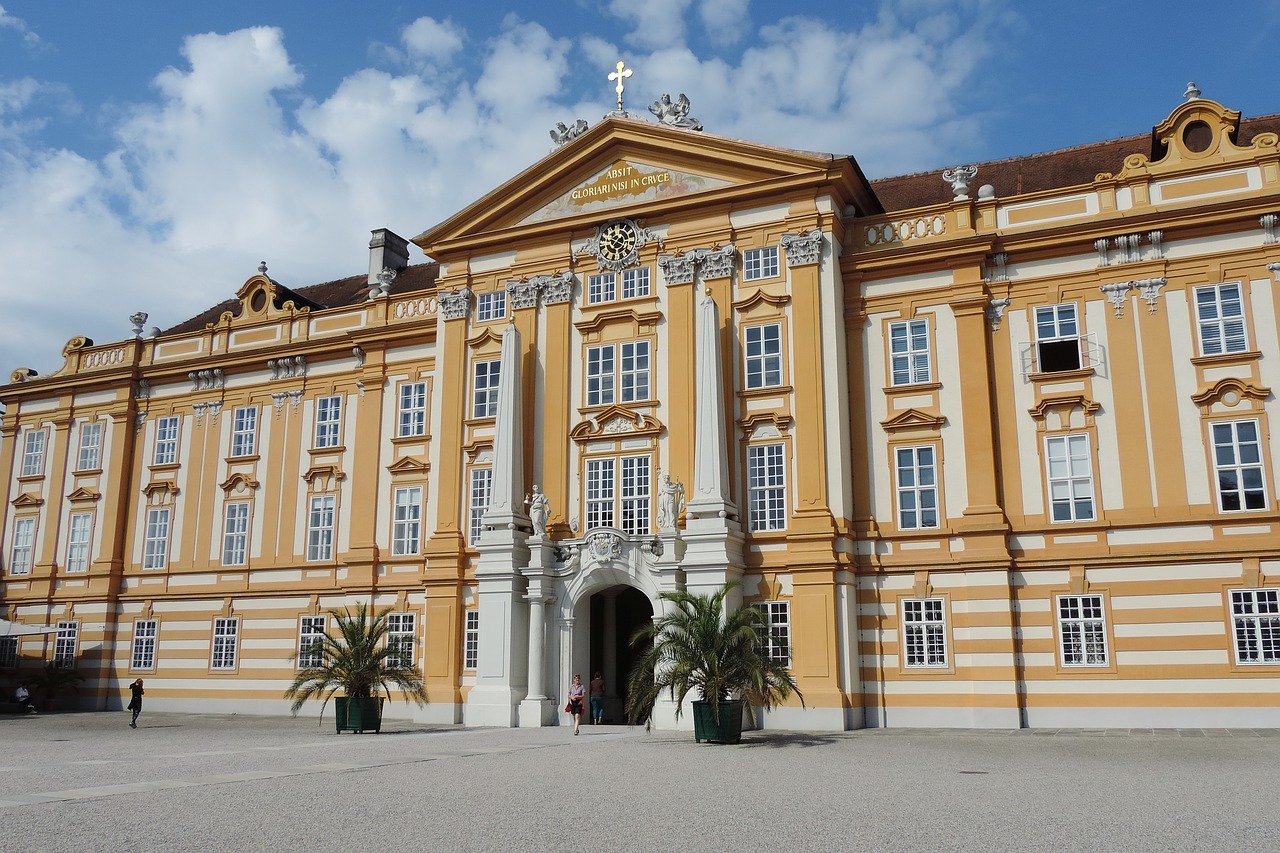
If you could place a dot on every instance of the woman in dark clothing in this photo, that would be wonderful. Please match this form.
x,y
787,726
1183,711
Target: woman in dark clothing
x,y
135,703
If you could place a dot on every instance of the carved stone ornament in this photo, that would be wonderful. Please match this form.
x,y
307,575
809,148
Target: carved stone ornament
x,y
617,244
960,177
561,135
604,545
1116,294
995,311
555,289
678,269
803,248
1268,223
456,305
138,320
522,294
675,114
289,367
717,263
1150,290
206,380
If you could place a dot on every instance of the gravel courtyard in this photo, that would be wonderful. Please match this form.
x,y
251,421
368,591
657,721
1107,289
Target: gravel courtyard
x,y
181,782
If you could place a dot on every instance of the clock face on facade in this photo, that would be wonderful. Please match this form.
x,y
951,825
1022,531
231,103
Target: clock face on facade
x,y
617,241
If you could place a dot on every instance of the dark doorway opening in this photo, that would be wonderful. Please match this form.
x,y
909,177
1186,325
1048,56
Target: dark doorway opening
x,y
616,614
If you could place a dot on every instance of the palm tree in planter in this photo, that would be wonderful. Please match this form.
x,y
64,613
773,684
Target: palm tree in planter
x,y
698,647
359,661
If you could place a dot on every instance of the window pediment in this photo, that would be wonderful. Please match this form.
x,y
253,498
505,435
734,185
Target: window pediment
x,y
84,495
760,298
913,419
1229,393
486,336
408,466
616,421
238,483
323,478
26,500
1067,412
643,322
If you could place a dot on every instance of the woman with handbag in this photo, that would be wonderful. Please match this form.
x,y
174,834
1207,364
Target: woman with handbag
x,y
577,694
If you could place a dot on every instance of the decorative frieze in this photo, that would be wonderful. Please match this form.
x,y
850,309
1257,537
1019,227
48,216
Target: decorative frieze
x,y
803,248
289,367
1268,223
206,380
456,305
1127,248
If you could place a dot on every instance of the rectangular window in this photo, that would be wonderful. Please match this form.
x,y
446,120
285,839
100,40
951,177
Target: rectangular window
x,y
320,528
311,641
635,283
611,366
406,528
917,484
225,635
776,641
471,641
401,638
1220,319
235,534
764,355
33,453
600,375
8,652
78,542
634,371
244,431
1057,338
412,419
1255,616
619,493
760,263
481,482
909,352
924,628
485,389
600,492
1237,461
64,646
328,422
491,306
143,655
1082,630
636,495
766,485
166,452
155,554
1070,478
24,537
90,456
602,288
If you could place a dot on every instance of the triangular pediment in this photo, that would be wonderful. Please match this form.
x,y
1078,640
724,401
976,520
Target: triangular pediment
x,y
913,419
636,168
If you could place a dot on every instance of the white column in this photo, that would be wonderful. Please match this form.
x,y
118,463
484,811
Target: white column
x,y
609,666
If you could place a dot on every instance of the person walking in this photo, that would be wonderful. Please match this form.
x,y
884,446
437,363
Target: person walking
x,y
135,702
597,699
577,698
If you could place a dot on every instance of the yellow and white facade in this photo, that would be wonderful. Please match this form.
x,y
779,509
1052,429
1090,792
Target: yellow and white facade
x,y
994,460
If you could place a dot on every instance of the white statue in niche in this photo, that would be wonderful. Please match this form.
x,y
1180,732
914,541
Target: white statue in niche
x,y
539,511
670,501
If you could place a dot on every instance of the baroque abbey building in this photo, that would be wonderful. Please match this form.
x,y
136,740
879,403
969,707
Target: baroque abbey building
x,y
990,448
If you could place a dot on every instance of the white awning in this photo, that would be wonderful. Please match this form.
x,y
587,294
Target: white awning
x,y
17,629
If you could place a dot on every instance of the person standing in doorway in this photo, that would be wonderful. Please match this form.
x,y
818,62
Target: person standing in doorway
x,y
135,702
597,699
577,698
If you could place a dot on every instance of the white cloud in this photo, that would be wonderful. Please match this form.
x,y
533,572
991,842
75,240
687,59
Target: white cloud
x,y
655,23
726,21
29,38
433,41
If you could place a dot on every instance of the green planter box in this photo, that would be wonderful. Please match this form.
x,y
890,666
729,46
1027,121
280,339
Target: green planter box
x,y
359,715
728,730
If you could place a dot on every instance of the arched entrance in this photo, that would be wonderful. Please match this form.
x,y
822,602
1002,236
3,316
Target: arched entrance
x,y
616,614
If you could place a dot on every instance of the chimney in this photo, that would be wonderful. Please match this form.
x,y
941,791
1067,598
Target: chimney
x,y
386,249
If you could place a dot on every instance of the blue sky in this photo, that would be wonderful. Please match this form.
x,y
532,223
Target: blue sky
x,y
151,153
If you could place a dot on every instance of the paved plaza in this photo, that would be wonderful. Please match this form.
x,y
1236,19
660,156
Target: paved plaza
x,y
182,782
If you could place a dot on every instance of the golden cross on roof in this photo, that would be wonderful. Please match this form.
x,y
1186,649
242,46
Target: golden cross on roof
x,y
620,75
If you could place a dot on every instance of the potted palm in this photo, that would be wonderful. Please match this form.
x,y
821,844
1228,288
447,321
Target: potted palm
x,y
358,660
698,647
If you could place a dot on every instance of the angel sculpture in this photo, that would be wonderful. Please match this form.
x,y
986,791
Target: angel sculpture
x,y
562,134
675,114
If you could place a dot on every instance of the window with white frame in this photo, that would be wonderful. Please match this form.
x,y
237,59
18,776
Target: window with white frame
x,y
763,352
320,522
412,416
481,483
235,534
143,653
406,527
8,652
89,457
33,453
1237,461
1057,338
924,629
635,282
484,394
155,549
1082,630
909,361
760,263
767,487
226,630
64,645
166,450
311,641
329,421
78,541
491,305
916,472
622,366
619,493
1220,319
401,639
1070,477
1255,617
23,550
471,641
602,287
244,431
775,640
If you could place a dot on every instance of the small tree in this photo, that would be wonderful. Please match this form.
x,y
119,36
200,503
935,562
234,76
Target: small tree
x,y
698,647
51,681
358,661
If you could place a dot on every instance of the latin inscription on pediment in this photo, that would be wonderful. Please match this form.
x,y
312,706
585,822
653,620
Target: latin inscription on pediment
x,y
624,183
